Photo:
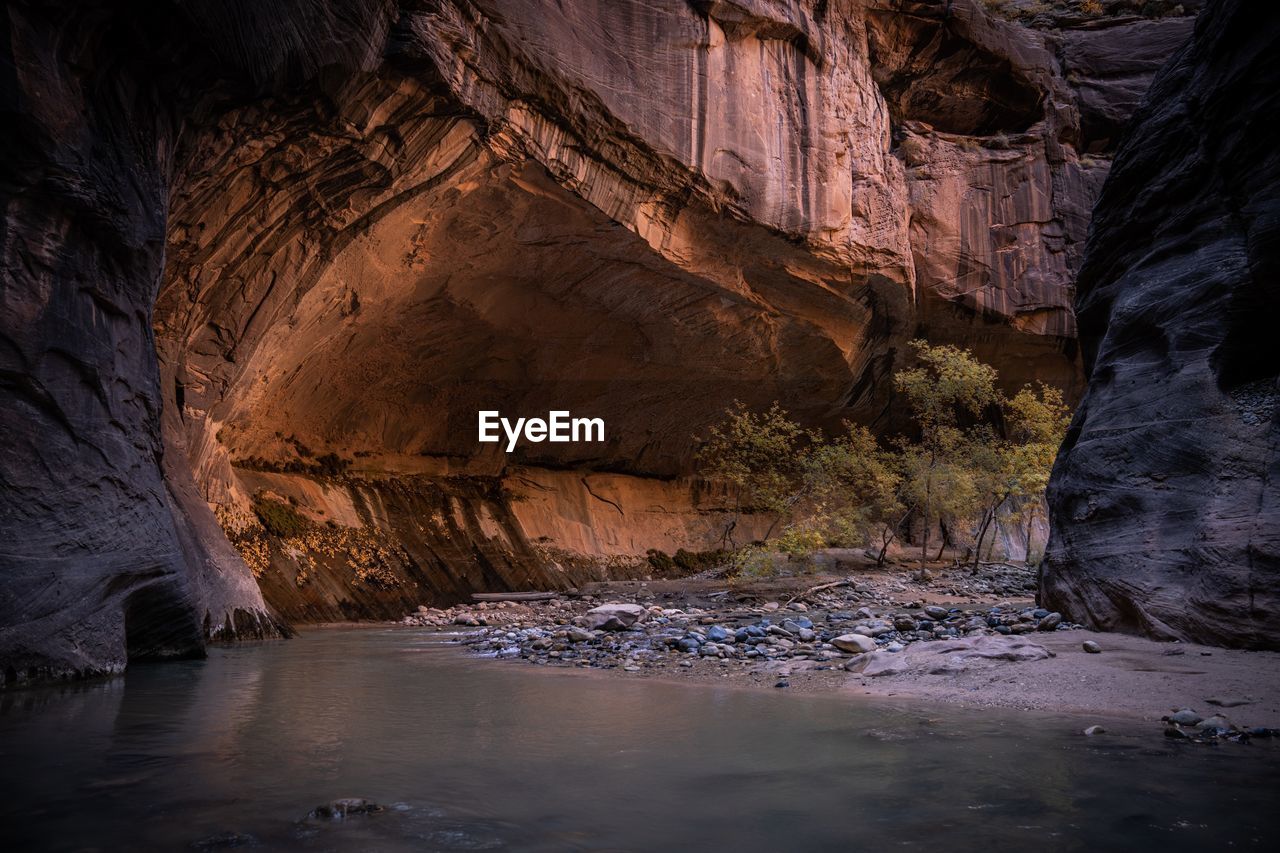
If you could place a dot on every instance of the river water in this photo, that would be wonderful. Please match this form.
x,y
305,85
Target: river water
x,y
484,755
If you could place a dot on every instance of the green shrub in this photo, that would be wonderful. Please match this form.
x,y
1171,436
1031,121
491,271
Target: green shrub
x,y
975,454
797,541
685,562
753,563
699,561
279,519
331,464
661,562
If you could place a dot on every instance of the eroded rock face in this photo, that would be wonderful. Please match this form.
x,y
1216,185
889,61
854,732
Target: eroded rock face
x,y
359,222
1165,499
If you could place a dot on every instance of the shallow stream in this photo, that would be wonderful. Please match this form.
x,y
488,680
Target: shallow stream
x,y
473,754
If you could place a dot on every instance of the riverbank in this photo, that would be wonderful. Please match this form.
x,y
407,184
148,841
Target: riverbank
x,y
974,641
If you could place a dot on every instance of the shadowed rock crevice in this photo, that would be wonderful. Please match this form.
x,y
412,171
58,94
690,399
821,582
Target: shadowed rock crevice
x,y
928,72
158,625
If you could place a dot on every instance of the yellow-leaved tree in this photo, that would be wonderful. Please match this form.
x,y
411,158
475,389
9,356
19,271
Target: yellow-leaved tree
x,y
975,454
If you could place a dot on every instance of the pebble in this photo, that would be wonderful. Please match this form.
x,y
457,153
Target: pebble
x,y
1185,717
1091,647
1095,730
873,619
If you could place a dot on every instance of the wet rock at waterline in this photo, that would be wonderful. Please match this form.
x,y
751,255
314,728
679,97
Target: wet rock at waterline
x,y
344,808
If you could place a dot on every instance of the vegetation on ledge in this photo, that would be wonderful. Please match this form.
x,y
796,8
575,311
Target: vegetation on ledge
x,y
976,456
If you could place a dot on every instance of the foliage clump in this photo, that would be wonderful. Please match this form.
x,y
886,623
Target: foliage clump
x,y
684,562
975,456
329,465
279,519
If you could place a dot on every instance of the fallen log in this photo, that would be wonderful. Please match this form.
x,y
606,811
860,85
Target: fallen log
x,y
513,596
819,588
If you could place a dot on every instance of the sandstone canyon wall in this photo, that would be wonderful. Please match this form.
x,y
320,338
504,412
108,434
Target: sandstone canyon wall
x,y
1166,496
243,238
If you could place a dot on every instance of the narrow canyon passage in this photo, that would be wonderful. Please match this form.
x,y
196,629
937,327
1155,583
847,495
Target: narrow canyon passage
x,y
544,425
254,302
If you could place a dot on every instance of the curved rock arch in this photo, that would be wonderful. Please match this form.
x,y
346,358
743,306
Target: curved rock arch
x,y
311,201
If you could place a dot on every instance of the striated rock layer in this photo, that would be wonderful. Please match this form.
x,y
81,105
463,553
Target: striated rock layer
x,y
239,239
1166,497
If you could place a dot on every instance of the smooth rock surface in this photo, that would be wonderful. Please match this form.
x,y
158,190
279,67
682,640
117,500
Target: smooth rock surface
x,y
854,643
951,657
1166,496
613,617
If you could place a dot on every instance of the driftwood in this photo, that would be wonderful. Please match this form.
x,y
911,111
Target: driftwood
x,y
513,596
819,588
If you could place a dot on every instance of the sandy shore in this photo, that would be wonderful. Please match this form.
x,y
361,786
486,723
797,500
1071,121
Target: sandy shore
x,y
1131,679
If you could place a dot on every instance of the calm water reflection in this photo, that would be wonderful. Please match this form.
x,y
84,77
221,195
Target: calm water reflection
x,y
484,755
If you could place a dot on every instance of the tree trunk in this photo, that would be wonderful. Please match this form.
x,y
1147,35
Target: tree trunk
x,y
924,533
1031,519
892,534
987,522
924,543
884,548
982,534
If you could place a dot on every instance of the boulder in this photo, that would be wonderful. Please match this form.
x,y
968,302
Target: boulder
x,y
854,643
613,617
882,663
948,657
